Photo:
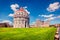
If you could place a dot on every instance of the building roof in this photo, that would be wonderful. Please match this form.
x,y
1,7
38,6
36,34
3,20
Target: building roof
x,y
21,9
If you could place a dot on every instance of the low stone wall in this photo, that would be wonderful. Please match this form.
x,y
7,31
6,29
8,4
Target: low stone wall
x,y
57,34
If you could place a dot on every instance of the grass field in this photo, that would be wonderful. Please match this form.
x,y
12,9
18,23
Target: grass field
x,y
27,33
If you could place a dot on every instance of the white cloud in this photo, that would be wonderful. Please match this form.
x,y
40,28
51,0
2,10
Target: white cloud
x,y
51,18
58,16
26,9
14,7
11,15
7,21
53,7
47,16
33,23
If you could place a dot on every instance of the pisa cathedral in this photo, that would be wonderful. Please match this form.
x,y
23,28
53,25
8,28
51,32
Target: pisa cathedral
x,y
21,18
39,23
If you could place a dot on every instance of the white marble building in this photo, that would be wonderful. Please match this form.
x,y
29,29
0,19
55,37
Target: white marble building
x,y
21,18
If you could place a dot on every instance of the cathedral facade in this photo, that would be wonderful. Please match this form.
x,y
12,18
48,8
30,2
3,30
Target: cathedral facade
x,y
21,19
39,23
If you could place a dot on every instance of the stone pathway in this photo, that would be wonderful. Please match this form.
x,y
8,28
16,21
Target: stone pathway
x,y
59,33
57,36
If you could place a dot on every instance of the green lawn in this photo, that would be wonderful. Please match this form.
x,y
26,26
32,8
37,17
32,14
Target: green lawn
x,y
27,33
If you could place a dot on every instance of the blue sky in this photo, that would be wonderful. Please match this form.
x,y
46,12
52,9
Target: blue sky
x,y
43,10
